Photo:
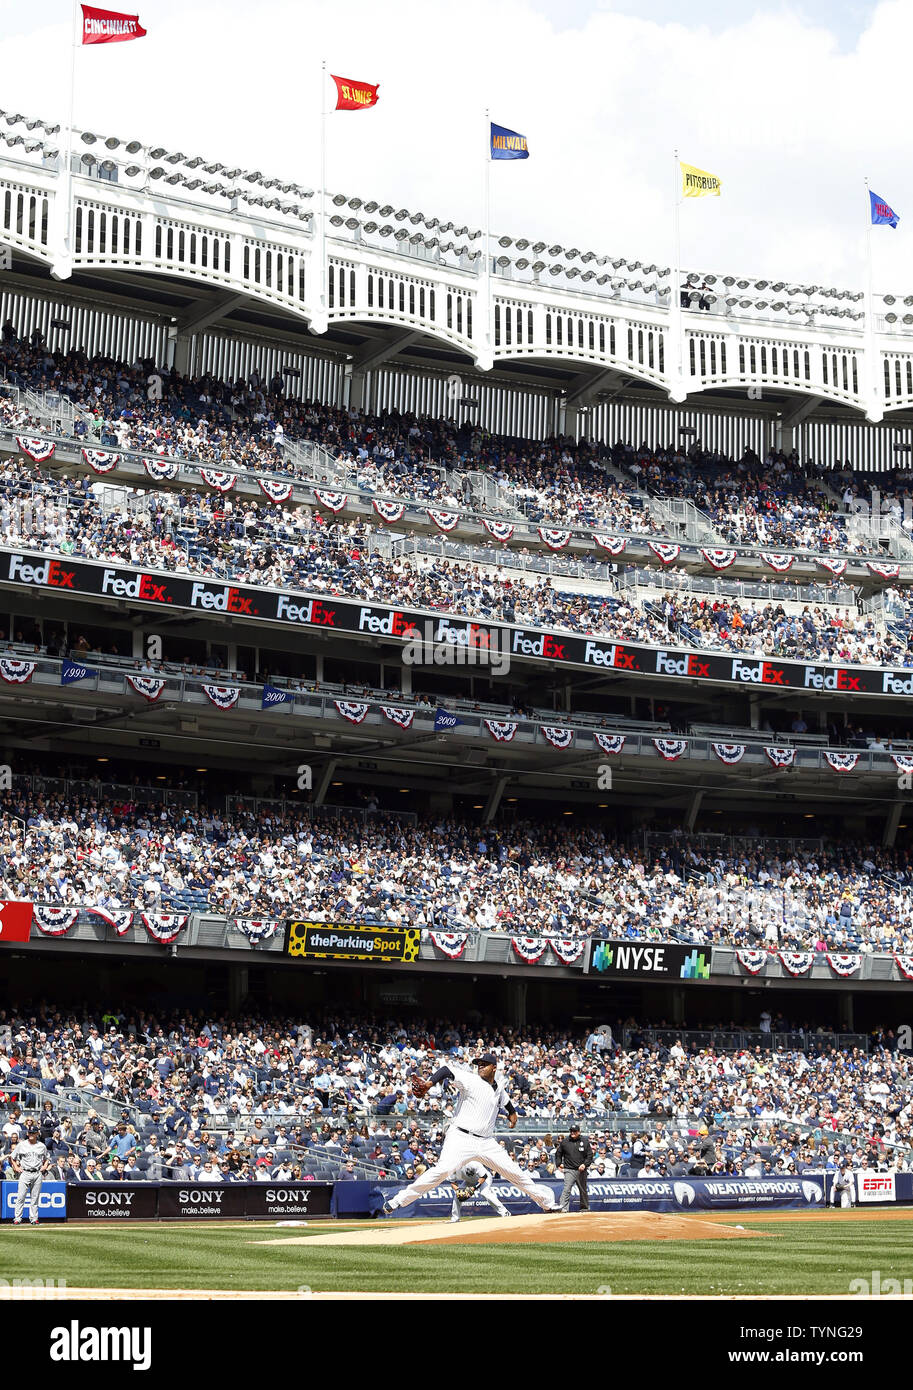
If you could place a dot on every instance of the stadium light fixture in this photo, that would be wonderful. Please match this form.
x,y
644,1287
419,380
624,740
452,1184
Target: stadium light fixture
x,y
401,214
354,203
505,242
761,284
370,227
177,159
888,318
503,261
400,234
889,299
86,137
522,244
588,275
538,248
522,263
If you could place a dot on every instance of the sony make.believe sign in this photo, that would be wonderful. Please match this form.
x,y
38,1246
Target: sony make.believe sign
x,y
668,961
349,941
297,610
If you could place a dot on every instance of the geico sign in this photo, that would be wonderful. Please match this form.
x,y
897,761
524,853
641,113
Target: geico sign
x,y
48,1201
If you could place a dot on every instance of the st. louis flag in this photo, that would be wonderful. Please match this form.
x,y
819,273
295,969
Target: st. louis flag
x,y
882,211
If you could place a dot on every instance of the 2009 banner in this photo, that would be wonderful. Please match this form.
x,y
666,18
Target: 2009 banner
x,y
300,610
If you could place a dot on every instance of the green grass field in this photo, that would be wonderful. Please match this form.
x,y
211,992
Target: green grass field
x,y
803,1257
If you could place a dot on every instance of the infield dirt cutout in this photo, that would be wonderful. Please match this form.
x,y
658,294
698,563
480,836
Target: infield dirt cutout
x,y
529,1230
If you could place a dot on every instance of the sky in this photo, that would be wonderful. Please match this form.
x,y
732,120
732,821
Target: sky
x,y
790,105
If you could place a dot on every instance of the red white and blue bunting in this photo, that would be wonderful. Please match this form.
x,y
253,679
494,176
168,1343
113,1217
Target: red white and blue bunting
x,y
40,450
451,943
882,570
610,743
164,926
843,965
905,966
255,931
498,530
720,559
558,738
121,921
797,962
501,731
781,757
222,696
275,490
16,672
390,512
150,687
729,753
841,762
160,472
777,561
670,748
665,552
100,461
402,718
566,948
351,710
333,501
217,479
903,762
613,544
832,564
555,540
529,948
444,521
752,961
54,921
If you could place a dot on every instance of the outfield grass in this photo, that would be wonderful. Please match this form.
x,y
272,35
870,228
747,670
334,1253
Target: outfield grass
x,y
796,1258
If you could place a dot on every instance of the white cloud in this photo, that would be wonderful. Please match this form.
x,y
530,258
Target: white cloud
x,y
771,105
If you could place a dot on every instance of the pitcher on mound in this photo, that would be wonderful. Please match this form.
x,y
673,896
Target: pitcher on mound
x,y
470,1134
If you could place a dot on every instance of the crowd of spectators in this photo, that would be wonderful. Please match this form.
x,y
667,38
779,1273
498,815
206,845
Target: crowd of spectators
x,y
259,1098
527,877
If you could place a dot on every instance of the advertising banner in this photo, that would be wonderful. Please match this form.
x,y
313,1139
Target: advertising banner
x,y
647,961
210,1201
298,610
52,1204
288,1200
876,1187
347,941
127,1201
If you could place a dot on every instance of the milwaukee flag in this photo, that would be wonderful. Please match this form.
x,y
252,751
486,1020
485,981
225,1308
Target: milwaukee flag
x,y
881,211
109,26
15,922
507,144
354,96
697,183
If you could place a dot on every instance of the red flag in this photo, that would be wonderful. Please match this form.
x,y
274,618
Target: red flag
x,y
354,96
15,922
109,26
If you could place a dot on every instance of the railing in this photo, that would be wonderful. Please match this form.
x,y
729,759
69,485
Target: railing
x,y
737,1040
684,520
679,581
730,844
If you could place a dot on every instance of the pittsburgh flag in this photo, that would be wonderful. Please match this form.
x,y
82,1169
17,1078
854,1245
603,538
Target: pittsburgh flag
x,y
697,183
354,96
108,26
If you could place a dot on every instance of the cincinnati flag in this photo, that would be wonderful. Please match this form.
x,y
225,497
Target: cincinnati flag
x,y
109,26
354,96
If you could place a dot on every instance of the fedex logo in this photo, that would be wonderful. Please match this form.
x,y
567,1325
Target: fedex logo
x,y
830,680
389,624
896,685
667,664
141,586
312,611
51,573
465,634
226,600
541,645
616,656
758,672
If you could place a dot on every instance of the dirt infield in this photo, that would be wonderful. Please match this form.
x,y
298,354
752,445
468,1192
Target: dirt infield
x,y
532,1230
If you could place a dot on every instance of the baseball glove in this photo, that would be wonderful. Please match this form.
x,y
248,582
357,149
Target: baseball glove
x,y
420,1088
463,1194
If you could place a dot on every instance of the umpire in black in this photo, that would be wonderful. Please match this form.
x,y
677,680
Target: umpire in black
x,y
574,1156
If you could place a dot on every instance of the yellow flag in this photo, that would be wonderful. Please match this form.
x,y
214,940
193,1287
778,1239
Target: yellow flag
x,y
697,183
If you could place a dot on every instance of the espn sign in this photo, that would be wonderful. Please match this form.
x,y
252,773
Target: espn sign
x,y
875,1187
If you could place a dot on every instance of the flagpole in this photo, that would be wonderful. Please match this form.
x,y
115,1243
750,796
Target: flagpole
x,y
873,408
488,340
64,267
676,393
322,270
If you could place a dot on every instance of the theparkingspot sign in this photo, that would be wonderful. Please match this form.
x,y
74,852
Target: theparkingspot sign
x,y
302,611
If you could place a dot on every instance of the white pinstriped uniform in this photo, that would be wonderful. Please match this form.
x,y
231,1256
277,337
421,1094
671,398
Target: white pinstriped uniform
x,y
470,1175
470,1138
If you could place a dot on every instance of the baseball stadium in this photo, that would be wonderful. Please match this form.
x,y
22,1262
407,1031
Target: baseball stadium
x,y
456,745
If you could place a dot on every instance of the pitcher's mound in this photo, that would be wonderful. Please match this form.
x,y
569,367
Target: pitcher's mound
x,y
546,1229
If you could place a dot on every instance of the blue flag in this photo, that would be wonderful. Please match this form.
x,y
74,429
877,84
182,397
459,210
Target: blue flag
x,y
444,721
882,211
70,672
507,144
272,696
